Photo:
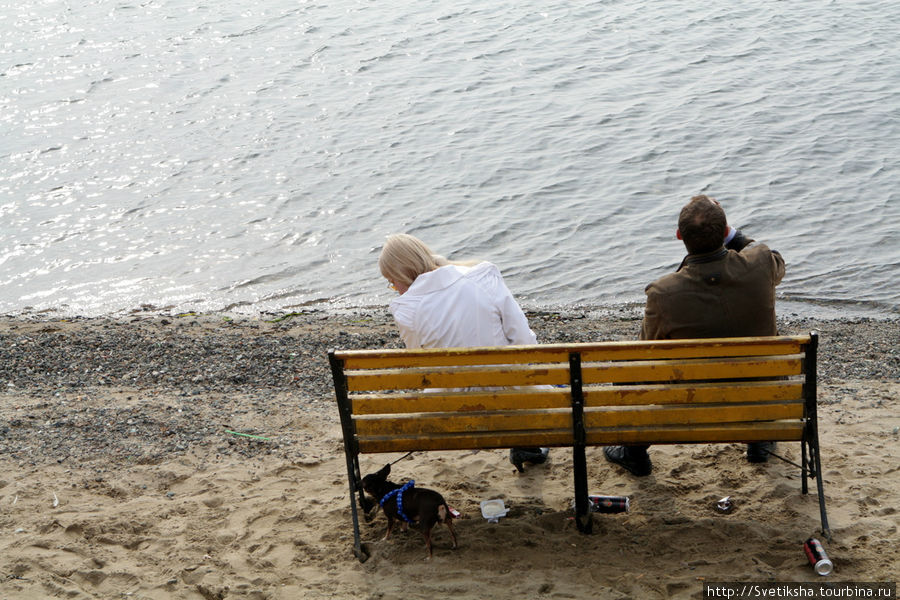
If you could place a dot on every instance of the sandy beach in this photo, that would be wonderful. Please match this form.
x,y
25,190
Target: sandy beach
x,y
128,470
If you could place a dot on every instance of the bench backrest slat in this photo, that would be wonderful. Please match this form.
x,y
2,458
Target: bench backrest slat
x,y
439,423
425,378
735,432
462,401
693,393
558,353
692,369
558,397
691,415
468,441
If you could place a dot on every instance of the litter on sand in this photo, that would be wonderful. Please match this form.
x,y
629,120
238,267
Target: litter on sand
x,y
247,435
492,510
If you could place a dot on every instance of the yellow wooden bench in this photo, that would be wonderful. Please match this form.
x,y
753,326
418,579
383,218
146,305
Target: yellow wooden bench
x,y
579,395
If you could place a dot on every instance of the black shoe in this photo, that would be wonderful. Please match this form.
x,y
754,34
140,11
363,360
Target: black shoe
x,y
758,452
520,456
634,460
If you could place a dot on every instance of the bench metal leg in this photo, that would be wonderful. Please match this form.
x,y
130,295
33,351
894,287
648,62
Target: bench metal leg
x,y
351,451
820,489
353,478
812,467
811,435
804,464
583,517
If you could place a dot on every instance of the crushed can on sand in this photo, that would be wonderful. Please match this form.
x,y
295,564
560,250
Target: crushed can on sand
x,y
817,557
725,505
609,504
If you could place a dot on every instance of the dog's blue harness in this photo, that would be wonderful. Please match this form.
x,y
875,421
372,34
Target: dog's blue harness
x,y
399,493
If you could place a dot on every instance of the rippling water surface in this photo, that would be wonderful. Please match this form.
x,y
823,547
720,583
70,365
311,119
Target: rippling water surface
x,y
252,156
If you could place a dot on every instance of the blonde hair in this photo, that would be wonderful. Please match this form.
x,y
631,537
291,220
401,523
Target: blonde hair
x,y
404,257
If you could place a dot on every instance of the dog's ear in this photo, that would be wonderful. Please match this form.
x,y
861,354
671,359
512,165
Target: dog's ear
x,y
385,471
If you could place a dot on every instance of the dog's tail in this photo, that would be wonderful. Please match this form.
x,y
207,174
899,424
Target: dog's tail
x,y
444,513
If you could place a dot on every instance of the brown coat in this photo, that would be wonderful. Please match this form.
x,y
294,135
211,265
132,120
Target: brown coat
x,y
721,294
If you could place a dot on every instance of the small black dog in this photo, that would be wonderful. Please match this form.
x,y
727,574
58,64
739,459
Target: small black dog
x,y
409,504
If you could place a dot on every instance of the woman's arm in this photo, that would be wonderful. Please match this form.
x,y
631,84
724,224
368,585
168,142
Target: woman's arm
x,y
513,319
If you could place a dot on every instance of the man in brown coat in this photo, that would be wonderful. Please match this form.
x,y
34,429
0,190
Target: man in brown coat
x,y
725,287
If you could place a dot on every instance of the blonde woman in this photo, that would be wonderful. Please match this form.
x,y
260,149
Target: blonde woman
x,y
448,304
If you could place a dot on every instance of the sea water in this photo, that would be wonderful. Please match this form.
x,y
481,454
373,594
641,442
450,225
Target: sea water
x,y
250,157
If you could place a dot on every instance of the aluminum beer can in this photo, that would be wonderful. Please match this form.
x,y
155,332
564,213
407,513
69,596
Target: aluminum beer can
x,y
817,557
609,504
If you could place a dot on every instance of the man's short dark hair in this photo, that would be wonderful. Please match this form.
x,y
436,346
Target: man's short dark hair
x,y
702,225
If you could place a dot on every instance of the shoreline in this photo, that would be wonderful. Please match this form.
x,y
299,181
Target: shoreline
x,y
123,473
142,376
787,308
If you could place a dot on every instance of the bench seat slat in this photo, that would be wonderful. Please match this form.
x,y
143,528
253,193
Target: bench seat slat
x,y
691,415
558,353
438,423
468,401
692,393
791,430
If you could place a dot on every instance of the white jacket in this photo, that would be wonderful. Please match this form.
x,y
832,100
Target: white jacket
x,y
455,306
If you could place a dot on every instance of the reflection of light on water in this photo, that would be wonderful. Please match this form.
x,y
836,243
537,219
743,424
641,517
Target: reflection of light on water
x,y
40,294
